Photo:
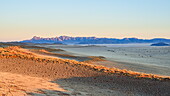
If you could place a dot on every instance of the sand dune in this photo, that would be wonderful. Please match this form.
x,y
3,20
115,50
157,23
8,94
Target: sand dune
x,y
54,76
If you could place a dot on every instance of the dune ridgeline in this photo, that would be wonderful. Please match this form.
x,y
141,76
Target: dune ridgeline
x,y
38,64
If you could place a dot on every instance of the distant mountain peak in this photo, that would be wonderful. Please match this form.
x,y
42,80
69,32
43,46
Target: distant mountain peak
x,y
36,38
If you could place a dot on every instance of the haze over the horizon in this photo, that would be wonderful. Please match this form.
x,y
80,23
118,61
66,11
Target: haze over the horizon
x,y
23,19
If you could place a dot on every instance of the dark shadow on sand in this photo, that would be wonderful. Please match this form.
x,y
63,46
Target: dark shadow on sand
x,y
122,84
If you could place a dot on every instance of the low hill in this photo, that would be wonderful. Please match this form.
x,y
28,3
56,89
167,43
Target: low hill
x,y
160,44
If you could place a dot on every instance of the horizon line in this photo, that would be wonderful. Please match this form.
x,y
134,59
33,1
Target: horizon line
x,y
82,36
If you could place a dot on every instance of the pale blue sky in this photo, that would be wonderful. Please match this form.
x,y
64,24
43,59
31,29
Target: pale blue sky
x,y
22,19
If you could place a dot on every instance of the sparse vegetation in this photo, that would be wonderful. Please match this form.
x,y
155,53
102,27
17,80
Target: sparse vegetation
x,y
18,52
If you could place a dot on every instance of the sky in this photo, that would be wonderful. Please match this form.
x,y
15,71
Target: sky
x,y
23,19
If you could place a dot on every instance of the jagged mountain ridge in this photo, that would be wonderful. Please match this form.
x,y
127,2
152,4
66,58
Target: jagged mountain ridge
x,y
92,40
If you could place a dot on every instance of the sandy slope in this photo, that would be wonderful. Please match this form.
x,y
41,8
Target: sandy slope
x,y
19,85
27,76
30,70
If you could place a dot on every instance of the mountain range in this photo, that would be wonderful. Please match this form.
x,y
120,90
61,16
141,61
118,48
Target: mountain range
x,y
92,40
